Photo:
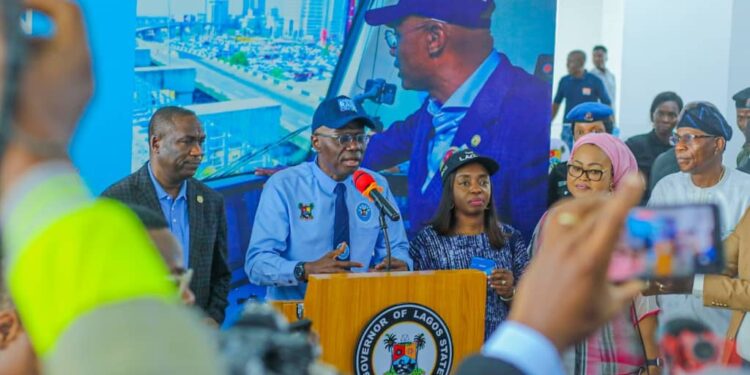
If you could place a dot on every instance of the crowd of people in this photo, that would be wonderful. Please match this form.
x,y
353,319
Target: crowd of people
x,y
140,278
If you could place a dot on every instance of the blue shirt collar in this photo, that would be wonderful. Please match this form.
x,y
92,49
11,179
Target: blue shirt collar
x,y
464,96
160,192
326,182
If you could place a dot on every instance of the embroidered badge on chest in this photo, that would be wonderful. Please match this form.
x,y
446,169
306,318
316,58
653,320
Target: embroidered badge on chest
x,y
305,211
364,212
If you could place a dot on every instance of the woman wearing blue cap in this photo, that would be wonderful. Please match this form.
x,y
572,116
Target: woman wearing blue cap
x,y
466,233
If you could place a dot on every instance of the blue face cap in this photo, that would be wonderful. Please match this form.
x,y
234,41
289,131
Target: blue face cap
x,y
337,112
589,112
705,117
474,14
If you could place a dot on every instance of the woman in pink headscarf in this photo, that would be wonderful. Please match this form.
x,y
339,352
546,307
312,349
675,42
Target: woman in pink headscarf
x,y
626,345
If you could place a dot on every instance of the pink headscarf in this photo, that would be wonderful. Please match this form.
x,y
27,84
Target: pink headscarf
x,y
623,161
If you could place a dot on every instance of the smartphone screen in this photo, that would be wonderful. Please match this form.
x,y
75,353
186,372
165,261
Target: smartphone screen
x,y
668,242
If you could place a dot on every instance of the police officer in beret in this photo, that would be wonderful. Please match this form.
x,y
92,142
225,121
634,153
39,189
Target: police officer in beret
x,y
742,104
585,118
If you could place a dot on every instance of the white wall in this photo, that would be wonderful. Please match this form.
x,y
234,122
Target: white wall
x,y
578,27
696,48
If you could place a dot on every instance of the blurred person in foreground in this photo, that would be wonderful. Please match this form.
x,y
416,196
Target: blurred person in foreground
x,y
626,344
466,226
112,309
16,354
581,236
170,250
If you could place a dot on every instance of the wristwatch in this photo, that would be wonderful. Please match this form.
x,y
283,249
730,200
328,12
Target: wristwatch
x,y
658,362
299,271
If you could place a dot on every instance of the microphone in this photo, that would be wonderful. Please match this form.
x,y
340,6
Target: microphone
x,y
370,189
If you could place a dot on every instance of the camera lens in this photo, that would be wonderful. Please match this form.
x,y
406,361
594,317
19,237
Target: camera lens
x,y
704,351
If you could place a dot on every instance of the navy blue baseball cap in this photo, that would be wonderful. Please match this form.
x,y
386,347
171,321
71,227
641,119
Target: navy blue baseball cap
x,y
456,158
589,112
475,14
337,112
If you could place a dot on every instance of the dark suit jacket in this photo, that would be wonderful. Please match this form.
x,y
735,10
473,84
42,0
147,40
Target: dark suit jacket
x,y
481,365
208,235
508,121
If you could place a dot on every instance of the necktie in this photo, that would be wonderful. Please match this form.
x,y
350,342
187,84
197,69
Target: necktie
x,y
341,221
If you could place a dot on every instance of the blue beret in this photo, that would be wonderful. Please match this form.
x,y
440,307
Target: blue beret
x,y
705,117
589,112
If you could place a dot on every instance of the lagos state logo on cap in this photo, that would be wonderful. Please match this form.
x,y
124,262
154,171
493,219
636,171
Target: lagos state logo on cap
x,y
404,339
588,116
346,104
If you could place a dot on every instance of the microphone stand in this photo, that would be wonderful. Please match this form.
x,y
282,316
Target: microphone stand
x,y
384,227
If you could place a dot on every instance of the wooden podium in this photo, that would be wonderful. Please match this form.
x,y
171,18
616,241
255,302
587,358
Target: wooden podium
x,y
382,323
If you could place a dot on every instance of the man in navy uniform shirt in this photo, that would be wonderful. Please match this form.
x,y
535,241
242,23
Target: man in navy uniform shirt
x,y
477,100
312,220
579,86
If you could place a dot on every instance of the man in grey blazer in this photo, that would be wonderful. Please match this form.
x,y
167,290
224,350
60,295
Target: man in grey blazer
x,y
194,211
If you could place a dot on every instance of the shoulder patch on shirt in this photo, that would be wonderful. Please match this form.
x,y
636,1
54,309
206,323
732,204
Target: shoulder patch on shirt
x,y
305,211
364,212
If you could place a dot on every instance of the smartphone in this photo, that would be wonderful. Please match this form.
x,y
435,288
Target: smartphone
x,y
669,242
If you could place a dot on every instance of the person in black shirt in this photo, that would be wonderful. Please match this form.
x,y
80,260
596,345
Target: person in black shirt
x,y
590,117
665,109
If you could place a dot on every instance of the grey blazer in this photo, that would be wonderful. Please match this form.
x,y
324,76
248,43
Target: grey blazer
x,y
208,235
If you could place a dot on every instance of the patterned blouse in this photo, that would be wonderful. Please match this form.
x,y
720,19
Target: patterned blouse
x,y
432,251
617,347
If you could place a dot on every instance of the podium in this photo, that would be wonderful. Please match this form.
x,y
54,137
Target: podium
x,y
398,322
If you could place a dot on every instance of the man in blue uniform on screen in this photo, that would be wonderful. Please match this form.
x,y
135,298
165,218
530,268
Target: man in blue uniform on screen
x,y
311,218
476,99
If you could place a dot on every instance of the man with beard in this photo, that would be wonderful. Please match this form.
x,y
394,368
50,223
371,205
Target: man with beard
x,y
312,220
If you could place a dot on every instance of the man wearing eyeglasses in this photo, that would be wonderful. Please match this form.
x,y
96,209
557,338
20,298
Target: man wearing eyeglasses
x,y
312,220
700,141
477,100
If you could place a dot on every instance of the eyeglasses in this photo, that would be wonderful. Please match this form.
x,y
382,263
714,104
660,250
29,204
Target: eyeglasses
x,y
392,38
591,174
687,138
182,280
347,139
